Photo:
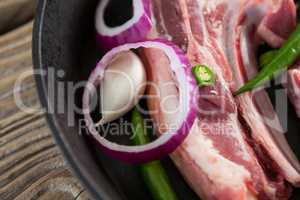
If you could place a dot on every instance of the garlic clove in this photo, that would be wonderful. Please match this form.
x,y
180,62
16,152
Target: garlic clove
x,y
123,84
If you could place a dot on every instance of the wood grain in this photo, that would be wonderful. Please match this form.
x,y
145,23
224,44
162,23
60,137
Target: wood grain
x,y
15,12
31,166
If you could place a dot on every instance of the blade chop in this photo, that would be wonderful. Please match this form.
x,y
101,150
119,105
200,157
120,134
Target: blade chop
x,y
236,149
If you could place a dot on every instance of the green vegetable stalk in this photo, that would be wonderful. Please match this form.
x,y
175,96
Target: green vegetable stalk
x,y
266,58
283,58
153,173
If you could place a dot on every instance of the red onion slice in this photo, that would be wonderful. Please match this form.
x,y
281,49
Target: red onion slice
x,y
168,141
133,30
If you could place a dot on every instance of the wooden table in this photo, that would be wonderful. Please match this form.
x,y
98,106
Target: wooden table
x,y
31,166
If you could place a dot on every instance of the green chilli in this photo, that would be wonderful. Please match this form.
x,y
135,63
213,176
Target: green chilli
x,y
153,173
203,75
285,57
266,58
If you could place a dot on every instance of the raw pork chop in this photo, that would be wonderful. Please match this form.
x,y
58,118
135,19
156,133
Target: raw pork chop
x,y
222,158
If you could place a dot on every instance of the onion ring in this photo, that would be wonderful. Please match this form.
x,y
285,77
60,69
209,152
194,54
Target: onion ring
x,y
168,141
133,30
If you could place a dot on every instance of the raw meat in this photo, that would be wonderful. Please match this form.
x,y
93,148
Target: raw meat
x,y
233,151
255,107
293,86
275,29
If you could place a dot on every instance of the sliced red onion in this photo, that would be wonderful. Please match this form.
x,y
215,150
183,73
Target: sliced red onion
x,y
168,141
133,30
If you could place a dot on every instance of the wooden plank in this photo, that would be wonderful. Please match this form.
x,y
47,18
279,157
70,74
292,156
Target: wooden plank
x,y
15,12
31,166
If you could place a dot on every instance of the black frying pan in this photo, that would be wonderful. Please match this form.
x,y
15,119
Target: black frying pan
x,y
63,39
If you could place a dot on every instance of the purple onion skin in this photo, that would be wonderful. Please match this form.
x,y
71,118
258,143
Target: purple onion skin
x,y
136,33
163,149
154,154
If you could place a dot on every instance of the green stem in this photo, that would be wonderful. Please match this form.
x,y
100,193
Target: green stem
x,y
153,173
266,58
